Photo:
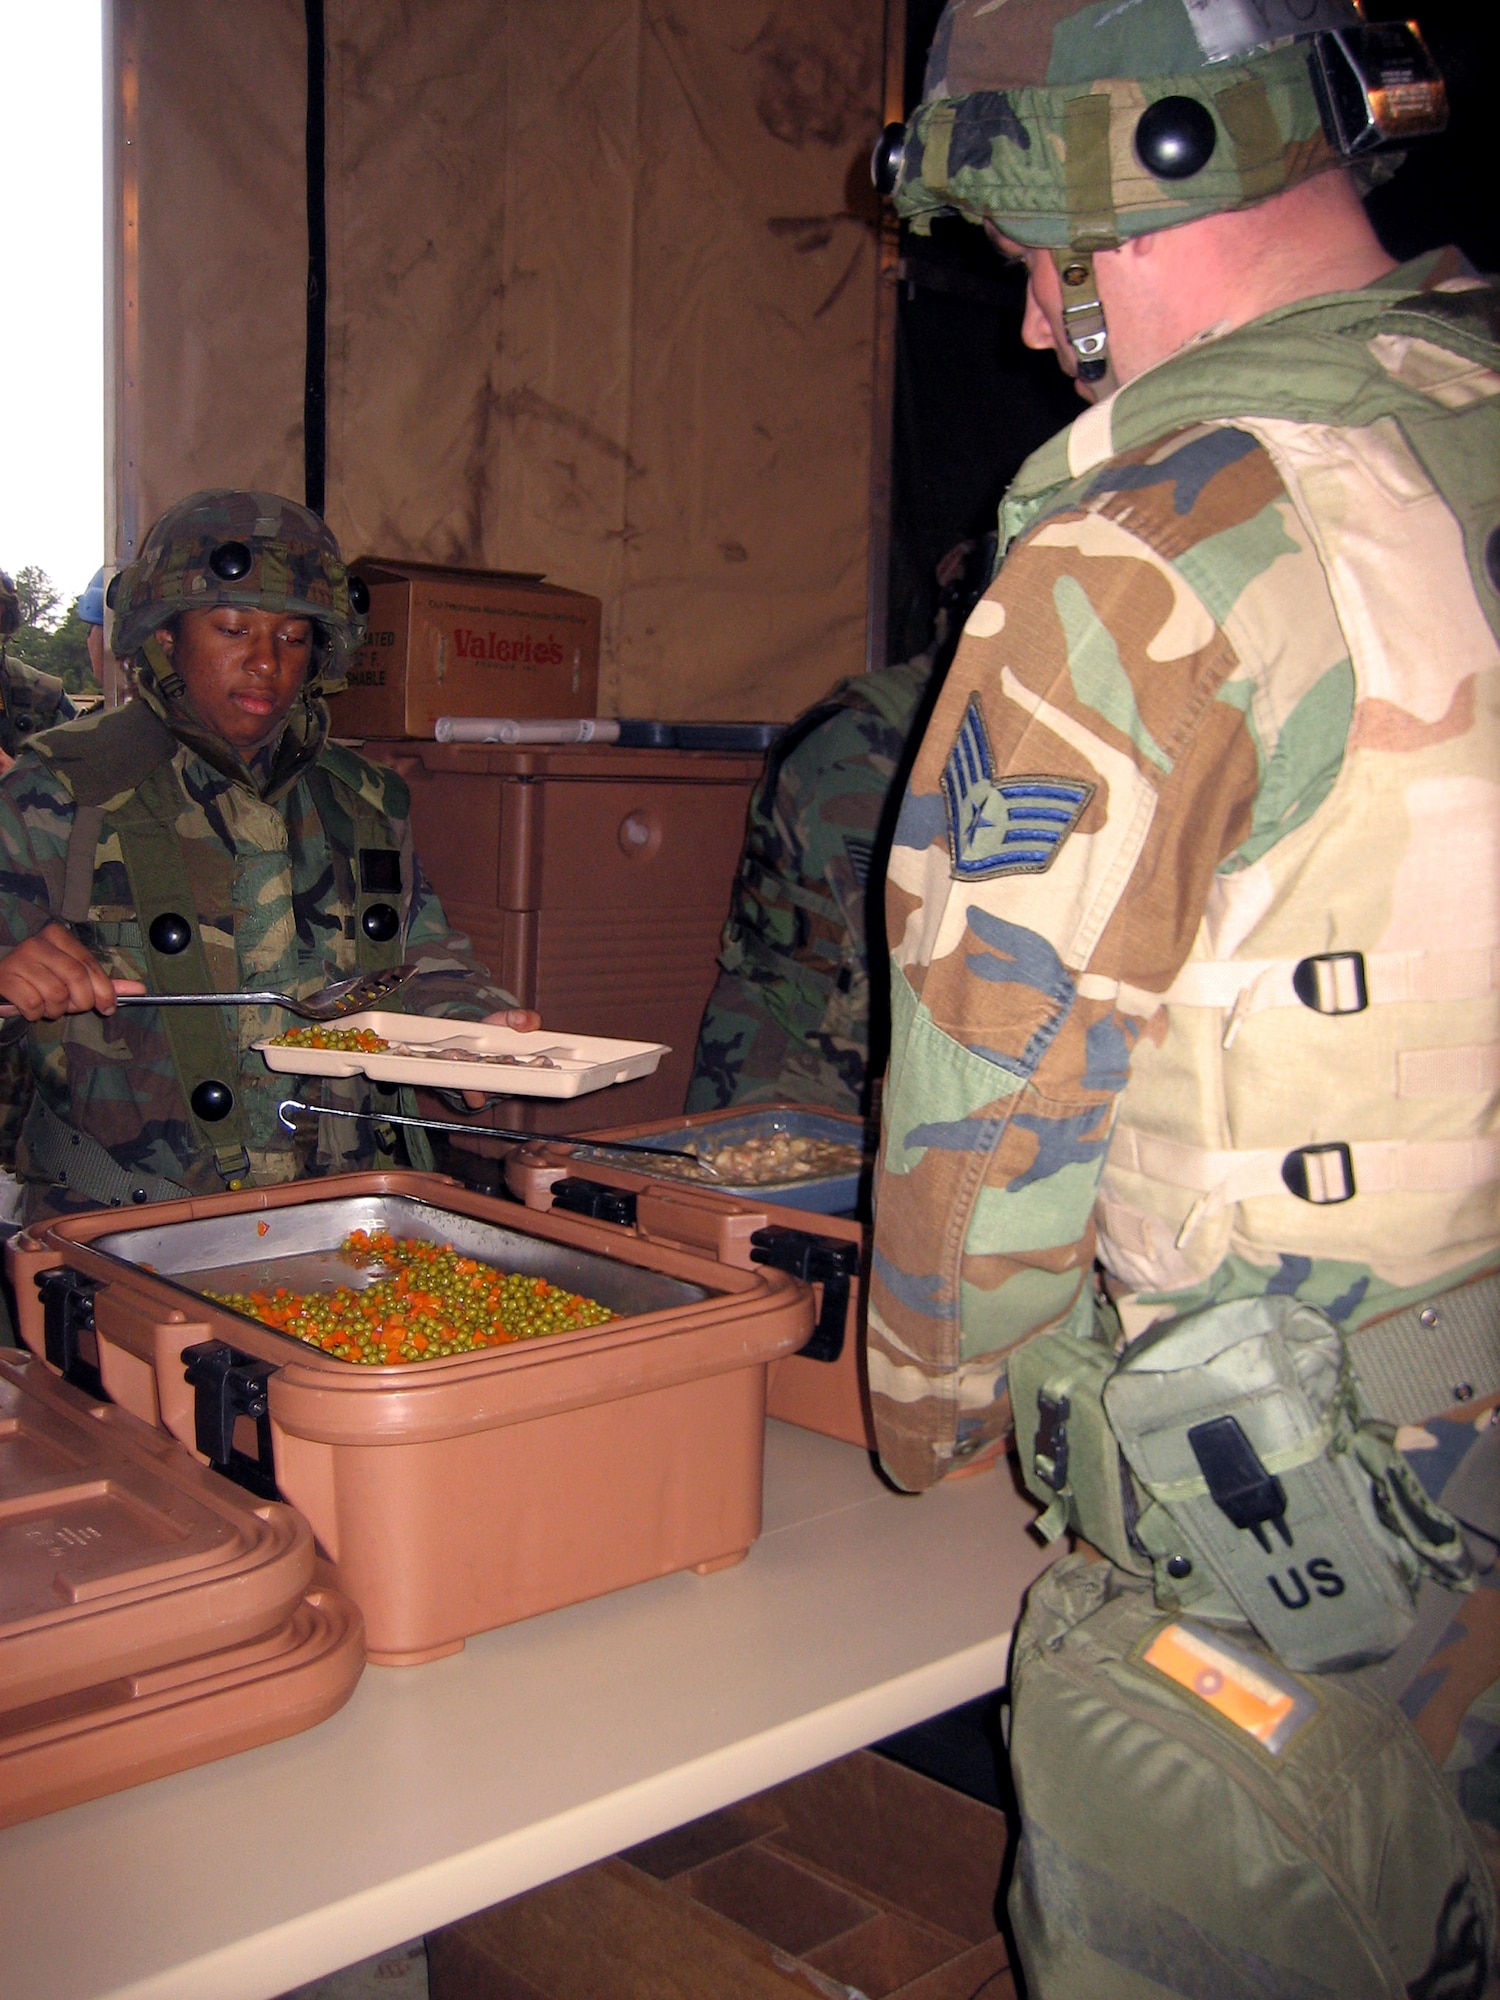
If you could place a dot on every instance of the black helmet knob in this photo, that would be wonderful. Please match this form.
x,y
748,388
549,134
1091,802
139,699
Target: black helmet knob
x,y
170,934
885,161
212,1100
1175,137
359,596
380,923
230,561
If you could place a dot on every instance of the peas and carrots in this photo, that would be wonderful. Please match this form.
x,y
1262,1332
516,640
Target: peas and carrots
x,y
355,1041
435,1302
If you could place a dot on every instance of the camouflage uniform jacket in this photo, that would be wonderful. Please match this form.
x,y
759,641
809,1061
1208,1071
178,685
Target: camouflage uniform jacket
x,y
1194,901
789,1019
271,860
29,701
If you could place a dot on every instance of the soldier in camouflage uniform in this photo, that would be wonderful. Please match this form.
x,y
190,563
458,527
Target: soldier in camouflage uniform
x,y
209,836
1192,902
790,1019
29,701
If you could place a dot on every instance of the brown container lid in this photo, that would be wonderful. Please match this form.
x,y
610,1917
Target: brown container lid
x,y
144,1725
119,1554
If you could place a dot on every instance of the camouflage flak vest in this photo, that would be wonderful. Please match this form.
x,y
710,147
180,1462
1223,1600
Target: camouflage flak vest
x,y
1326,1081
127,797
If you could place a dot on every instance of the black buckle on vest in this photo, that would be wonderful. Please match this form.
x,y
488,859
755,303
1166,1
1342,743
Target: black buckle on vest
x,y
1332,982
1323,1175
1049,1448
817,1260
228,1385
68,1338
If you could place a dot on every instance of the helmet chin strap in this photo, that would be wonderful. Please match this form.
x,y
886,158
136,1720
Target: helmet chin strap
x,y
1082,313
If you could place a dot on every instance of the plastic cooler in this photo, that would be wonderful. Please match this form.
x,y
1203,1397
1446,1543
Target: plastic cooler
x,y
823,1386
456,1494
151,1616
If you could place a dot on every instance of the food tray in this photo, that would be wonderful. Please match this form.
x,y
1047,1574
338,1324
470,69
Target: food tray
x,y
582,1062
826,1194
463,1492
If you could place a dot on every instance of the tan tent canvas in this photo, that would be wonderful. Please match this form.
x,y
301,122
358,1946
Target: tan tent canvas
x,y
602,290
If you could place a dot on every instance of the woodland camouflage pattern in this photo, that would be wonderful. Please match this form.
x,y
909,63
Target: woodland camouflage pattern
x,y
1028,116
294,568
1251,662
789,1019
271,857
29,701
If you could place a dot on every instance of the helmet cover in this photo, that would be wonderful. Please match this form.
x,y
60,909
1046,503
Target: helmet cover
x,y
91,602
255,550
1030,113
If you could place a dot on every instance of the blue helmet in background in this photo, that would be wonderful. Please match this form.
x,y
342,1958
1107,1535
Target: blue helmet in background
x,y
91,603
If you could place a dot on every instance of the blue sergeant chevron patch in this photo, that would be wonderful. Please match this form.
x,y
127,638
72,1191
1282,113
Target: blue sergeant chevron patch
x,y
1003,826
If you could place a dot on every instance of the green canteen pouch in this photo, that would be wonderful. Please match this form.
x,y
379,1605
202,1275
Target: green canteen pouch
x,y
1069,1458
1244,1427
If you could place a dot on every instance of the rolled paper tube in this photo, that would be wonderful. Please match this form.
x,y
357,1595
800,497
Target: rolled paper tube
x,y
508,729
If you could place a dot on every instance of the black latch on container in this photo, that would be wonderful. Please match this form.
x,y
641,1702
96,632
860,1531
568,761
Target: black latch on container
x,y
68,1329
818,1260
596,1199
228,1385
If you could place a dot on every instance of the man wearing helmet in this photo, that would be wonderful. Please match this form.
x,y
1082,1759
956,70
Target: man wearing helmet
x,y
209,836
1194,908
29,699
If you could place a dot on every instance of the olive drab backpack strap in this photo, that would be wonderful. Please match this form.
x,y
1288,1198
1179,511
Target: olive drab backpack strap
x,y
382,885
161,887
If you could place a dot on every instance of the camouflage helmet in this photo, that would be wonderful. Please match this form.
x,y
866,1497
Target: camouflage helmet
x,y
1074,124
10,607
254,550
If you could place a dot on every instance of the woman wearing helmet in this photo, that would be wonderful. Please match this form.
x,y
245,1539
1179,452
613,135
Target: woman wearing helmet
x,y
209,835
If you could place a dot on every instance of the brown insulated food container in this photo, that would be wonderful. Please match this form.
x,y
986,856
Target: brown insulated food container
x,y
152,1615
594,883
450,1495
823,1387
466,642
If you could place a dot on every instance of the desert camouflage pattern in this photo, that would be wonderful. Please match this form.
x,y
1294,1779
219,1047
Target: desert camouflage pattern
x,y
271,850
789,1019
1231,702
1029,112
293,566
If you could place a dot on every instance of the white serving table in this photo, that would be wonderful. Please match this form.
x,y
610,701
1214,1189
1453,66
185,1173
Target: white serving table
x,y
540,1748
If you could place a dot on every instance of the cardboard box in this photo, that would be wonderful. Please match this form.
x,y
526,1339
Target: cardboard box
x,y
466,642
861,1875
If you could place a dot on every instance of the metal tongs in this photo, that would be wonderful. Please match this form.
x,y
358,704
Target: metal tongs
x,y
290,1106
